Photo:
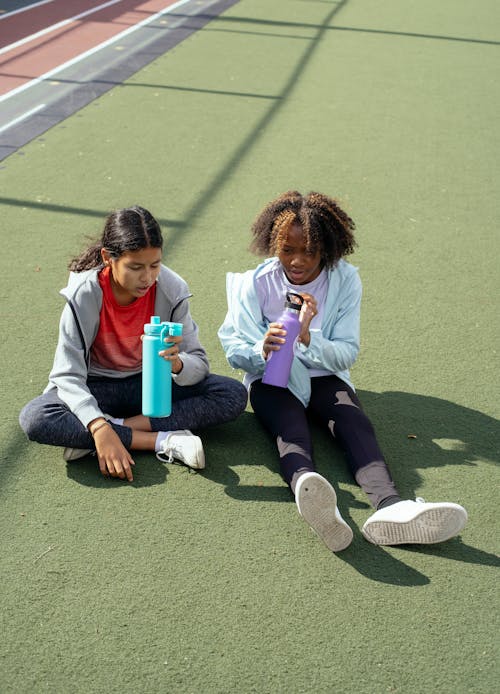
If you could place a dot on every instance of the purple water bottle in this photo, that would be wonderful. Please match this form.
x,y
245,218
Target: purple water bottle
x,y
279,363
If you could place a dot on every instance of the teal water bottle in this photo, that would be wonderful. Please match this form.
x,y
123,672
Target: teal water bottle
x,y
157,371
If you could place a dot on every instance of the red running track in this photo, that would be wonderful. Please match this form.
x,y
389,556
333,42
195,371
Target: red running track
x,y
47,35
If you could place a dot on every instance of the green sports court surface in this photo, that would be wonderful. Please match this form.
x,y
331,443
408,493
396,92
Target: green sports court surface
x,y
185,583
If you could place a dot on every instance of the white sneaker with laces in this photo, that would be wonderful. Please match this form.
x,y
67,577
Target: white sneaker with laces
x,y
184,446
317,503
415,522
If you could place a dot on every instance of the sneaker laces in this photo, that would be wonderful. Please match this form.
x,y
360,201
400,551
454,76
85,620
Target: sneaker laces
x,y
169,450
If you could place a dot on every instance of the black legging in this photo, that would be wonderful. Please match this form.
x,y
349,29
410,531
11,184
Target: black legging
x,y
337,407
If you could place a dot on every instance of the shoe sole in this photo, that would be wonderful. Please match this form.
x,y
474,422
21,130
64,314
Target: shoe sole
x,y
317,502
426,528
200,457
70,454
200,463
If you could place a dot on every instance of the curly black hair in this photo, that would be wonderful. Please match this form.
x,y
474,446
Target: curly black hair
x,y
325,225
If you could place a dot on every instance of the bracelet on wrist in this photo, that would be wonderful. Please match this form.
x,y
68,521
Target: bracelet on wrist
x,y
98,426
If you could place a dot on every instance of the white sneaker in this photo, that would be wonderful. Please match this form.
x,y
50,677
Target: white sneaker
x,y
317,503
75,453
184,446
414,522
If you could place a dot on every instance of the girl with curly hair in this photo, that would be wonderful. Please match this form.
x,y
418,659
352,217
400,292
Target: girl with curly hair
x,y
308,238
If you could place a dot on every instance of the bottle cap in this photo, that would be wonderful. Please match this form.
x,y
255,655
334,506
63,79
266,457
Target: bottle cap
x,y
175,329
294,301
153,328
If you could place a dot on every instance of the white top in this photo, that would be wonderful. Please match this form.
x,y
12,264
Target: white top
x,y
334,345
271,293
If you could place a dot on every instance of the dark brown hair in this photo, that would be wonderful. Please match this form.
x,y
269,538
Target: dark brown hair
x,y
128,229
325,225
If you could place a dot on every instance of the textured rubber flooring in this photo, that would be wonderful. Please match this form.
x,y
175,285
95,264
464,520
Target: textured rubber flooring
x,y
211,582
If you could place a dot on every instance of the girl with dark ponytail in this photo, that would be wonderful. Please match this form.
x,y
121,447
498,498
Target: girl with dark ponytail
x,y
129,229
92,403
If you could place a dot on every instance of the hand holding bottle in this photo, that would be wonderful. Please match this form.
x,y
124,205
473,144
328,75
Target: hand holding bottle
x,y
307,312
171,353
274,338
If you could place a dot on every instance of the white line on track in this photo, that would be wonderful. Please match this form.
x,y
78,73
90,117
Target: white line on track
x,y
21,118
24,9
91,51
54,27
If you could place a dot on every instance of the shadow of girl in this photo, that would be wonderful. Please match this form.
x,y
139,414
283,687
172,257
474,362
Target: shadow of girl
x,y
148,471
416,432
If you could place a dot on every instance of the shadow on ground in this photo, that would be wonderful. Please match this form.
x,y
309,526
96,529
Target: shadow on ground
x,y
415,431
148,471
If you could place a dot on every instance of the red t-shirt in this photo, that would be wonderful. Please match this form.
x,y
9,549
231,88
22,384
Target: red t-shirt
x,y
117,344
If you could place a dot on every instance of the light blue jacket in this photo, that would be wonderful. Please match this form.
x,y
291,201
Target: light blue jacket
x,y
334,347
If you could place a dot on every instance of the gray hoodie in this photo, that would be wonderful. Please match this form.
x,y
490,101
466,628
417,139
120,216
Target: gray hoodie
x,y
78,328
